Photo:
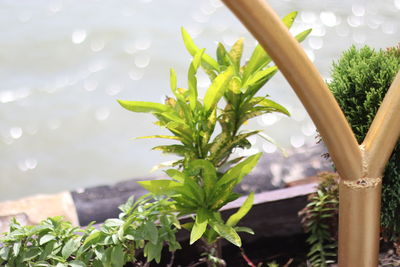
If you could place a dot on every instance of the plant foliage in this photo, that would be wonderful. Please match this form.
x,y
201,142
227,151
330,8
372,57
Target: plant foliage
x,y
142,225
320,220
201,180
197,185
360,80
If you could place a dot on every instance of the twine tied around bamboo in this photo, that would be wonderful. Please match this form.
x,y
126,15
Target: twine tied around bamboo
x,y
364,182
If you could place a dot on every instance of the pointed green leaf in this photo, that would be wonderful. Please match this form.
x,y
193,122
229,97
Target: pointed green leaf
x,y
92,238
240,170
170,115
289,19
268,103
193,49
192,80
209,174
223,195
153,252
257,80
243,210
159,136
226,232
303,35
199,226
217,89
48,249
151,232
192,189
244,229
46,238
258,60
176,175
117,256
235,84
159,187
31,254
140,106
225,149
222,55
70,247
172,80
173,149
236,53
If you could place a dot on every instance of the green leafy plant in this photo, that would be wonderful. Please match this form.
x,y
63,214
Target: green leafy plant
x,y
320,220
198,185
144,225
360,80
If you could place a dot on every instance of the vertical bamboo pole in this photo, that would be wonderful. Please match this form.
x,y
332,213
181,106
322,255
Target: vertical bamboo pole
x,y
359,224
362,202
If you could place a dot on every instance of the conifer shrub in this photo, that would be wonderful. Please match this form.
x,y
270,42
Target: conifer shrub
x,y
360,80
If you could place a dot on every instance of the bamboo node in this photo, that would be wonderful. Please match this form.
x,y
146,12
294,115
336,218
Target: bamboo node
x,y
363,183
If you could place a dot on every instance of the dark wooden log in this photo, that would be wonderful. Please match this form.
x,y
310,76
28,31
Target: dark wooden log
x,y
101,202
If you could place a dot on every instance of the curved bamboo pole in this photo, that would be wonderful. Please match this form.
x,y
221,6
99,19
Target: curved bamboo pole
x,y
362,207
360,186
384,131
302,75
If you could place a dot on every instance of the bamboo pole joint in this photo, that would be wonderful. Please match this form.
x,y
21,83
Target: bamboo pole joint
x,y
365,181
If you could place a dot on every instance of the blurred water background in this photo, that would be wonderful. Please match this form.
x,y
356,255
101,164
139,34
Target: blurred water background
x,y
63,64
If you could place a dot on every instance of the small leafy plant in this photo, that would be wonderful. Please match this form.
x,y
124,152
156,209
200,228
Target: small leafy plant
x,y
198,184
55,242
320,220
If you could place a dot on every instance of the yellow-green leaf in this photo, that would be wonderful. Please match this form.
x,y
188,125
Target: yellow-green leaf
x,y
192,80
226,232
257,61
159,187
140,106
301,36
176,175
240,170
217,89
274,106
172,80
243,210
289,19
193,49
236,53
235,84
209,174
200,226
159,136
259,78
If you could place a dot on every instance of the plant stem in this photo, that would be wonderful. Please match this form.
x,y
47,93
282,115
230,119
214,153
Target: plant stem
x,y
248,261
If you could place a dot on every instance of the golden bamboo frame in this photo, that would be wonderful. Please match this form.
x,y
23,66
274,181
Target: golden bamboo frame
x,y
360,167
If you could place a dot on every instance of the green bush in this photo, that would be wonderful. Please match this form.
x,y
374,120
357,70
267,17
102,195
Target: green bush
x,y
360,80
145,225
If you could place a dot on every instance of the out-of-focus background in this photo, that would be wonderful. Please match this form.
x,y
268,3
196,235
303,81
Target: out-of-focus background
x,y
63,64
